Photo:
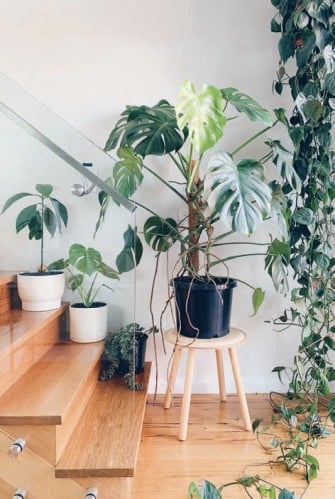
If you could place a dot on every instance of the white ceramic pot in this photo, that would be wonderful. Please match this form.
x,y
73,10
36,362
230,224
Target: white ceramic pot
x,y
88,324
40,290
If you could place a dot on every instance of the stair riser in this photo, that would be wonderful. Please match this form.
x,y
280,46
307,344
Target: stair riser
x,y
19,356
55,430
75,410
9,298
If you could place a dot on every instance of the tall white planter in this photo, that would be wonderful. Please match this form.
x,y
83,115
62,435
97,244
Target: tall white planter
x,y
88,324
40,290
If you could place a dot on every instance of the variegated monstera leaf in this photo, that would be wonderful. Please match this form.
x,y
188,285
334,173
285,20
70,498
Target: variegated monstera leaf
x,y
237,192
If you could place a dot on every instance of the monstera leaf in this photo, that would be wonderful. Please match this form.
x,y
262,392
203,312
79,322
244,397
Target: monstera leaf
x,y
149,130
127,173
202,113
86,260
160,233
237,192
245,104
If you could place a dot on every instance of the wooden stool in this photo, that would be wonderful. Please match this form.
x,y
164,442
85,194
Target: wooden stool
x,y
234,337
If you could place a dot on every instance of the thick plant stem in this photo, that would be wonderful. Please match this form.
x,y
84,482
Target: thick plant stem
x,y
193,225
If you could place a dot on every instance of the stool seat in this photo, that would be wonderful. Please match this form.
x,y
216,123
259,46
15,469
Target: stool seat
x,y
191,345
234,337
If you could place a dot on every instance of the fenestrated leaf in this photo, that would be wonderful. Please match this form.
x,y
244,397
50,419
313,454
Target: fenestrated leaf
x,y
237,192
86,260
276,263
284,161
160,233
245,104
148,130
202,113
127,172
130,256
279,211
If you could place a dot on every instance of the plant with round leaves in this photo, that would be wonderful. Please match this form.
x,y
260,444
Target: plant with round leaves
x,y
85,265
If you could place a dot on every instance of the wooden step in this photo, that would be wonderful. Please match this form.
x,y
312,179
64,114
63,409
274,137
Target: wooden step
x,y
8,291
106,441
25,337
50,398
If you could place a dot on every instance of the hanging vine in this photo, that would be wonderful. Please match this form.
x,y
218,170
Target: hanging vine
x,y
307,35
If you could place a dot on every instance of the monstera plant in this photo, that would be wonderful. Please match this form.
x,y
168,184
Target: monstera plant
x,y
221,194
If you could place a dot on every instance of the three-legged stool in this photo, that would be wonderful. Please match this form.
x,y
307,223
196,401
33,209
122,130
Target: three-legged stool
x,y
229,341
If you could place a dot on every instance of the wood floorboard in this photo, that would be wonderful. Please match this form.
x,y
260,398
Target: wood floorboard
x,y
218,449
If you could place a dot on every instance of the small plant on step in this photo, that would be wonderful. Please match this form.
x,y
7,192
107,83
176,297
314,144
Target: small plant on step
x,y
124,354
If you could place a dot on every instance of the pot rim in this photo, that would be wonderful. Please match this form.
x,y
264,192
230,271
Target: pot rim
x,y
197,283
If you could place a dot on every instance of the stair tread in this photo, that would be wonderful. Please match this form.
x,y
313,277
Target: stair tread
x,y
16,324
43,394
107,439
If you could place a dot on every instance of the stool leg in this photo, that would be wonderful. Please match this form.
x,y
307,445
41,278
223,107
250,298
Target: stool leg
x,y
172,376
185,410
240,389
221,378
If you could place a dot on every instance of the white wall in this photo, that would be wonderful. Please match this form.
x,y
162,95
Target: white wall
x,y
86,60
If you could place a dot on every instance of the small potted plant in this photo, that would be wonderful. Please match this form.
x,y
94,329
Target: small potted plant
x,y
88,318
124,354
41,289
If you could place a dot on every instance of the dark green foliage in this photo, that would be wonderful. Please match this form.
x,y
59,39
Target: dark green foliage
x,y
39,216
306,30
121,349
306,34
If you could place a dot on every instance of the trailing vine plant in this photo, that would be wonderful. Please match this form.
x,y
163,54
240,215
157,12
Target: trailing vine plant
x,y
307,35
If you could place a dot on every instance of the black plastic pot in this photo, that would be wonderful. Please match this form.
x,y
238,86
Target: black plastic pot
x,y
141,339
203,307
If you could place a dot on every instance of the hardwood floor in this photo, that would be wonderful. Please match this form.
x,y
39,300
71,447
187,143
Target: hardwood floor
x,y
218,449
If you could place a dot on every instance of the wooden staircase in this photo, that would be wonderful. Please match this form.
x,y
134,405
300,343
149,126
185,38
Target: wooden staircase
x,y
79,432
